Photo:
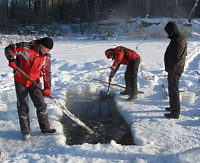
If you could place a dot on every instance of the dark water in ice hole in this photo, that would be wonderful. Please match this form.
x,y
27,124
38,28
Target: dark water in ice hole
x,y
102,117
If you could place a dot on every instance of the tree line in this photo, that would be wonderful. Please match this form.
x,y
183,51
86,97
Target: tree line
x,y
14,13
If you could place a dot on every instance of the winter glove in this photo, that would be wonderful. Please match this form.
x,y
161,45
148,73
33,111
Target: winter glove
x,y
28,83
12,63
46,92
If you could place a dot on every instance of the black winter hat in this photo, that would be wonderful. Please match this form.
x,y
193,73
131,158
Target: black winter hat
x,y
47,42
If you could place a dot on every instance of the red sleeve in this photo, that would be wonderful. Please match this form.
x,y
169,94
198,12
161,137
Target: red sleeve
x,y
12,49
119,57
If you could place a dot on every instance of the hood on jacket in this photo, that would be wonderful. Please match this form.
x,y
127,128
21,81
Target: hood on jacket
x,y
171,29
110,53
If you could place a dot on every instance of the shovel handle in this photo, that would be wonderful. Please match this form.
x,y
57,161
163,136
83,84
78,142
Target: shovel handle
x,y
114,84
108,86
28,77
103,68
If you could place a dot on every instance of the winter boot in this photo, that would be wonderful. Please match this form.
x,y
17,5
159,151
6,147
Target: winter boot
x,y
48,131
126,92
168,109
172,115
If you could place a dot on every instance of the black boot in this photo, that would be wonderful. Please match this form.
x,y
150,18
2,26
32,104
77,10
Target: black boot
x,y
48,131
126,92
172,115
168,109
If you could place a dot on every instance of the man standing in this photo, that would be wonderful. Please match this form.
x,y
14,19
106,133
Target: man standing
x,y
174,59
34,59
123,55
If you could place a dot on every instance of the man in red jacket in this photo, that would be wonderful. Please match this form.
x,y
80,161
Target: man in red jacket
x,y
34,59
123,55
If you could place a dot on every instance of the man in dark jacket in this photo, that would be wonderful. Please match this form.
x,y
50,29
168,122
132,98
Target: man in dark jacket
x,y
34,59
174,59
123,55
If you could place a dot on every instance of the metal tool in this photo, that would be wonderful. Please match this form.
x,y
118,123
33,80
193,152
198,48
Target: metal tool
x,y
105,95
112,84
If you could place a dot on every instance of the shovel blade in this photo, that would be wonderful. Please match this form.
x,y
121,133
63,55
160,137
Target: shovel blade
x,y
103,96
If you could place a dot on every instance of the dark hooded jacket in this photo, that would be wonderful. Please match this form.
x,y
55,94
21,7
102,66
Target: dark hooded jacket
x,y
176,52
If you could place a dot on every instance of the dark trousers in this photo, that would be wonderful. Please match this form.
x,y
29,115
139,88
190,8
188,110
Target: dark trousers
x,y
131,76
173,88
23,108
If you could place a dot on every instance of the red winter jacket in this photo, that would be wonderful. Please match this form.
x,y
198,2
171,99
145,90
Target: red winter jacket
x,y
31,62
124,55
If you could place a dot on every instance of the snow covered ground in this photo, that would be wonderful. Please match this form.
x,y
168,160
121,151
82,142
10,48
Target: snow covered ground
x,y
74,64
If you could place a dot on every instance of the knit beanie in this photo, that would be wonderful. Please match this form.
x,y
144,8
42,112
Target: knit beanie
x,y
47,42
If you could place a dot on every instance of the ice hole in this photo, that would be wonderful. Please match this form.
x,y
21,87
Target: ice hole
x,y
101,116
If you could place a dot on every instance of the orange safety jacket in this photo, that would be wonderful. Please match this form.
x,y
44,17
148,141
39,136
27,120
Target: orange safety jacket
x,y
29,60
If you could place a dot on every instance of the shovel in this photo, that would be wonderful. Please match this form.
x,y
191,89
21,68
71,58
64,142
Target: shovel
x,y
64,108
104,95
